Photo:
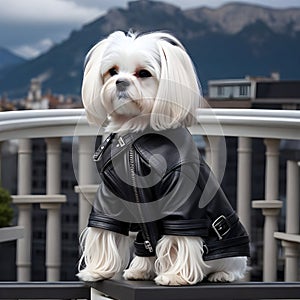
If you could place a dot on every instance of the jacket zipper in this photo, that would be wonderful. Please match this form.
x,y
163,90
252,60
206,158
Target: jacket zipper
x,y
145,233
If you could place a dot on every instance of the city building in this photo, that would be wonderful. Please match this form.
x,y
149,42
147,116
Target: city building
x,y
254,92
36,99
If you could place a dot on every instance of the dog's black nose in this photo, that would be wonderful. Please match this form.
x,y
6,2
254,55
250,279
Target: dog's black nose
x,y
122,84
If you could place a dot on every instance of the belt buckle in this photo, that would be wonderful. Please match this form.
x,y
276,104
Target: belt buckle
x,y
221,226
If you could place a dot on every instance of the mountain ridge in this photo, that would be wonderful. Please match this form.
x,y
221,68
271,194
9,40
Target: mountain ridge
x,y
258,48
8,58
225,16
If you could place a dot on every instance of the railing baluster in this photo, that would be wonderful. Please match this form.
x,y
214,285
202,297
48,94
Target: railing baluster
x,y
23,259
207,151
52,204
244,181
214,142
86,176
292,221
53,237
292,197
24,167
53,166
272,169
53,229
244,184
270,208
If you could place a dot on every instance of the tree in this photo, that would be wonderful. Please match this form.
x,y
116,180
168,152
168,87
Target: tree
x,y
6,211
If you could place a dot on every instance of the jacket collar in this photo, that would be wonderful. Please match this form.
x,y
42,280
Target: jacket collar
x,y
115,144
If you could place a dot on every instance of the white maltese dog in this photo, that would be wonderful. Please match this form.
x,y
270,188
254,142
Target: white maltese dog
x,y
144,90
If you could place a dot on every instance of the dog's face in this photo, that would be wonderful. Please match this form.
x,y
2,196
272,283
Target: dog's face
x,y
130,79
131,82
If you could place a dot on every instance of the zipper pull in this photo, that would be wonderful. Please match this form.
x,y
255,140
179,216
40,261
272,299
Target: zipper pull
x,y
148,246
98,153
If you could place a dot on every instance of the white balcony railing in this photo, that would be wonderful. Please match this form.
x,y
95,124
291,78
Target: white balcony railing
x,y
269,125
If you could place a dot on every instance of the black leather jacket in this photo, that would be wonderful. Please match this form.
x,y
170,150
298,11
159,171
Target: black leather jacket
x,y
158,184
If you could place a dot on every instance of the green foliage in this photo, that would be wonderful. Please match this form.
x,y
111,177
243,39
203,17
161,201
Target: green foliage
x,y
6,211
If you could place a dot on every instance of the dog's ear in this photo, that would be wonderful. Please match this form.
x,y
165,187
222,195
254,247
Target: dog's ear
x,y
179,92
92,84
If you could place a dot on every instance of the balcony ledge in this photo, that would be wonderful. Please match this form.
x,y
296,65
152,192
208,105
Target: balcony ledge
x,y
11,233
267,204
39,199
287,237
228,122
146,290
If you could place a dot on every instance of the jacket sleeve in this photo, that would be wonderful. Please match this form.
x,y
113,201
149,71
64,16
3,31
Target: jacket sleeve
x,y
105,210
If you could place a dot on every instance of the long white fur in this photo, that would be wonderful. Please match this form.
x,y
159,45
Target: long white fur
x,y
175,97
178,94
179,260
167,99
104,253
141,268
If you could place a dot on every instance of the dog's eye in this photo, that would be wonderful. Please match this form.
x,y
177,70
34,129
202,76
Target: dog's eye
x,y
113,71
143,73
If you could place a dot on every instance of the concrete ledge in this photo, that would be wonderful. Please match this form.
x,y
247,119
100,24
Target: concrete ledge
x,y
44,290
39,199
88,188
262,123
288,237
147,290
265,204
11,233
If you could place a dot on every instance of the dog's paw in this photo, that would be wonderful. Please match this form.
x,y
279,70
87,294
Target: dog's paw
x,y
221,277
141,268
170,279
134,274
86,275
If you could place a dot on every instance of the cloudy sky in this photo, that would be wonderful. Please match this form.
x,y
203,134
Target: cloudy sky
x,y
29,27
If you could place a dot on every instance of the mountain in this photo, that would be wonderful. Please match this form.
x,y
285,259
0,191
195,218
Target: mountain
x,y
228,42
8,59
233,17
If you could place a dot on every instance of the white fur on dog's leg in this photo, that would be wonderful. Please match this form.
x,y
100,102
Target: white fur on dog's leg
x,y
221,277
179,260
105,253
227,269
170,279
141,268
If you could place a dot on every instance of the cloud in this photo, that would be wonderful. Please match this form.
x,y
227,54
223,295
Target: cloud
x,y
46,11
28,28
104,4
33,50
